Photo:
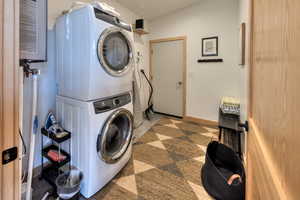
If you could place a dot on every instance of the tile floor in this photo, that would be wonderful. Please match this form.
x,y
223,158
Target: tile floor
x,y
145,126
166,164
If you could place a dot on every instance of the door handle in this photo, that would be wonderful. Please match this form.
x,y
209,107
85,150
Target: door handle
x,y
179,83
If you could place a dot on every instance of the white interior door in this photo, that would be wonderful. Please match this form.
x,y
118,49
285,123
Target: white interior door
x,y
167,71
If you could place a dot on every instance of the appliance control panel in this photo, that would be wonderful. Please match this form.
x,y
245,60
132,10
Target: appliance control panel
x,y
111,19
111,103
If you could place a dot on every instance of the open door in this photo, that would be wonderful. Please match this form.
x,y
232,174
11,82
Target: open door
x,y
9,98
273,158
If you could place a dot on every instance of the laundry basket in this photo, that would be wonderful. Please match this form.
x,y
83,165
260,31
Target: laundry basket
x,y
68,185
222,163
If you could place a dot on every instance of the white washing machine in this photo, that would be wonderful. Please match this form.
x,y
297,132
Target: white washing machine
x,y
101,140
94,55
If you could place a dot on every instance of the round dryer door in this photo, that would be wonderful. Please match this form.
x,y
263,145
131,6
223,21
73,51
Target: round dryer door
x,y
115,137
115,51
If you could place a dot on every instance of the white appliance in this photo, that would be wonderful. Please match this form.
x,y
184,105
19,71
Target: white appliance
x,y
101,141
94,54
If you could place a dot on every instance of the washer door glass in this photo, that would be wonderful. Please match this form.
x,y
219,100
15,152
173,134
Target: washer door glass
x,y
114,51
115,137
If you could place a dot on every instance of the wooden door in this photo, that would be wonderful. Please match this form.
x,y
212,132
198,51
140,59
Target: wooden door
x,y
168,75
9,96
273,158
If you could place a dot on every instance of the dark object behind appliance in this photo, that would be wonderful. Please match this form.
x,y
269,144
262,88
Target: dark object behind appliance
x,y
220,164
139,24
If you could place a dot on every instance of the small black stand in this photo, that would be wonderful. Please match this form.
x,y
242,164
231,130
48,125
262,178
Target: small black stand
x,y
52,170
230,122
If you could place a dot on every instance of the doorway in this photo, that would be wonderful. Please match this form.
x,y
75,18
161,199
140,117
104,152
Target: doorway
x,y
168,75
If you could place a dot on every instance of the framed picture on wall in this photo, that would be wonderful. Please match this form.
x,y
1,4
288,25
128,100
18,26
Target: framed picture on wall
x,y
210,46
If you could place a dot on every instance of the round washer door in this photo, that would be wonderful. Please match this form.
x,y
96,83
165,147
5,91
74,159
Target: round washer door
x,y
115,137
115,51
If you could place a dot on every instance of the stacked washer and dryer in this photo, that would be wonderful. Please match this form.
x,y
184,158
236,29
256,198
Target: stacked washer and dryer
x,y
95,73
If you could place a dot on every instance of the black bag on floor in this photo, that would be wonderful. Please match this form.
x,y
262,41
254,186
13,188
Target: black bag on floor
x,y
221,164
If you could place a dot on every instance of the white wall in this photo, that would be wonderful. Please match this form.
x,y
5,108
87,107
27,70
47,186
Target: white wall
x,y
206,82
244,17
47,86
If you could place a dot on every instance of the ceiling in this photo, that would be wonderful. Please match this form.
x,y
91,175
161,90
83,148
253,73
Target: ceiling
x,y
151,9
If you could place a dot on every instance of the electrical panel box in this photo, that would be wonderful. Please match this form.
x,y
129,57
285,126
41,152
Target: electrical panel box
x,y
33,30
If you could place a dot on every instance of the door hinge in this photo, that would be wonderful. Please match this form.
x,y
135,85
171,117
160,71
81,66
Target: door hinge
x,y
245,126
9,155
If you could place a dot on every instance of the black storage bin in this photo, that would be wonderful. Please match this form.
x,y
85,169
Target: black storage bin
x,y
221,163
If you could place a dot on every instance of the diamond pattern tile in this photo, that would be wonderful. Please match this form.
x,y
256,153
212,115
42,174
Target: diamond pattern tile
x,y
128,182
168,131
183,147
157,144
166,164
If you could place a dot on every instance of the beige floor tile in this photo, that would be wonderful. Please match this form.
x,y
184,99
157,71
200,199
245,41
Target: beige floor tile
x,y
157,184
200,139
202,147
141,166
200,192
152,155
165,121
191,170
150,136
171,126
192,127
113,191
128,183
183,147
168,131
214,136
157,144
200,159
163,137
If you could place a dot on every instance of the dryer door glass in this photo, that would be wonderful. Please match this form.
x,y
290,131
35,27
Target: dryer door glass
x,y
115,137
114,52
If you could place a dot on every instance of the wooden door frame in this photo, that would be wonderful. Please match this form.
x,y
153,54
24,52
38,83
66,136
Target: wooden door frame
x,y
10,181
249,106
184,71
271,176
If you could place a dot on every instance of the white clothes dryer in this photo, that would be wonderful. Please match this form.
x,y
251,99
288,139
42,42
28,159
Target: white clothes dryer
x,y
94,54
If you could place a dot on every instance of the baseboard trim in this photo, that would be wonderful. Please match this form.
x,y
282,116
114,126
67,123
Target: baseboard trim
x,y
200,121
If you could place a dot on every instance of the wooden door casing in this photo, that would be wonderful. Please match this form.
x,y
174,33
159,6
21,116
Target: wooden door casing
x,y
9,97
273,160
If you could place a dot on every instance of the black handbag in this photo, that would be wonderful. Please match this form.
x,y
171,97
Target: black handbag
x,y
221,163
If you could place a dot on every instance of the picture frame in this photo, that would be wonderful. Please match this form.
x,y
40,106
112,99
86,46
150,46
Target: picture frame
x,y
210,46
